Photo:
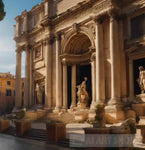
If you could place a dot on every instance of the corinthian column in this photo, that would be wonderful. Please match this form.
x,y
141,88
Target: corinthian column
x,y
93,73
115,61
73,104
58,74
100,76
131,81
31,93
27,78
48,83
18,86
64,84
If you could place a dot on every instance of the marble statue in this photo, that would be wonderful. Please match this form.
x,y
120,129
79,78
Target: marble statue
x,y
39,91
82,95
141,79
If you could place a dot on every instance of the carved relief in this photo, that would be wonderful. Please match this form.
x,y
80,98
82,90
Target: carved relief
x,y
38,53
92,29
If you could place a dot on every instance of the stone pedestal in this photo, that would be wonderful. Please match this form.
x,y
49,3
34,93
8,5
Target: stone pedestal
x,y
4,124
139,109
142,127
55,131
115,111
140,98
22,127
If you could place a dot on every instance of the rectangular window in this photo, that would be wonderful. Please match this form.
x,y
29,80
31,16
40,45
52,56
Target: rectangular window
x,y
138,26
8,82
8,93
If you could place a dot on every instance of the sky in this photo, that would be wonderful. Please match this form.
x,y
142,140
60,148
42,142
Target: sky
x,y
13,8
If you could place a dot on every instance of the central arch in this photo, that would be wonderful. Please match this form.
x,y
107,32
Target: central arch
x,y
77,51
78,44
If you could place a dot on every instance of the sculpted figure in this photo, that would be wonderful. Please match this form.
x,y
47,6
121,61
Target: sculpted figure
x,y
82,95
39,93
141,79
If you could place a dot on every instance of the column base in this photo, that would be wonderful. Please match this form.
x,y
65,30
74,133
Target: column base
x,y
73,106
57,109
115,111
132,99
39,106
114,101
16,108
94,104
48,109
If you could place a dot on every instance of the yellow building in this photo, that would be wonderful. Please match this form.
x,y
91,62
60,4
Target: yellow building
x,y
7,92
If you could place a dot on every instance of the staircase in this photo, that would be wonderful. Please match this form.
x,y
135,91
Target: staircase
x,y
10,131
36,134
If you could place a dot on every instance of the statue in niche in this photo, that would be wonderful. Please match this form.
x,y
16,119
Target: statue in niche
x,y
38,53
82,95
39,91
141,79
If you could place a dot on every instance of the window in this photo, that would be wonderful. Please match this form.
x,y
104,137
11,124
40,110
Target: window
x,y
8,93
8,82
137,26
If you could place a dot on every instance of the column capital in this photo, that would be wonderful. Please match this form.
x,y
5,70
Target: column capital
x,y
57,36
48,40
113,14
98,19
18,50
64,61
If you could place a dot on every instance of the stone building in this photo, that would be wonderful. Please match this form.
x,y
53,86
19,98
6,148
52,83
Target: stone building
x,y
65,41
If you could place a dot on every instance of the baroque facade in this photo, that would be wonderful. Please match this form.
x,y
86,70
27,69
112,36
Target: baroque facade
x,y
65,41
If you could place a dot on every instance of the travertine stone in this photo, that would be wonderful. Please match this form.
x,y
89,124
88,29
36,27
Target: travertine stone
x,y
73,104
115,62
58,74
93,73
27,79
100,76
65,85
18,100
48,81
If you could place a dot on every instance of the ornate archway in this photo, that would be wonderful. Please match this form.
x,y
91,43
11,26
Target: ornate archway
x,y
77,49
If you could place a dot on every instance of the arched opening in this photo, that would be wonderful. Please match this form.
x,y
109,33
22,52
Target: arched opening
x,y
78,44
78,52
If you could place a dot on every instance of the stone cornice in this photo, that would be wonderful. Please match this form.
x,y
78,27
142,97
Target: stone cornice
x,y
76,9
133,6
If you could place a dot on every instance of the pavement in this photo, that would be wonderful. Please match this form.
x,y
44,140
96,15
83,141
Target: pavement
x,y
8,142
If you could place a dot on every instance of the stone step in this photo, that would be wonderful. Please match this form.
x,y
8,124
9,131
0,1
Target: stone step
x,y
10,131
36,134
